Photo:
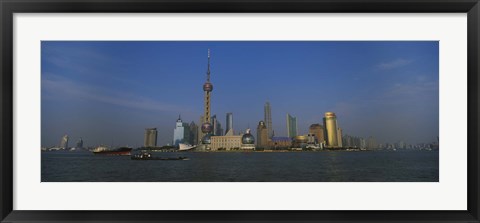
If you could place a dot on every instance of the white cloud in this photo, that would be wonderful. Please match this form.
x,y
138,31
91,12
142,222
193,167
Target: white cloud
x,y
57,87
394,64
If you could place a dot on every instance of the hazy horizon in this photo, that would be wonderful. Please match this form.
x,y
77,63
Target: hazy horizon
x,y
108,92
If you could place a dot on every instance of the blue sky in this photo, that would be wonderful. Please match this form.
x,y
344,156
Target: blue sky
x,y
108,92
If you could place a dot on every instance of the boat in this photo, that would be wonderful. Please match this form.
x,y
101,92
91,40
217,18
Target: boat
x,y
148,156
185,147
121,151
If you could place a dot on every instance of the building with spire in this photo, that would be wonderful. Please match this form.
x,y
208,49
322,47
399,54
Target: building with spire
x,y
268,119
178,132
181,133
207,126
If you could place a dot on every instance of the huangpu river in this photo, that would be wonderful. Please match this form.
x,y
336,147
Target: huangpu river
x,y
323,166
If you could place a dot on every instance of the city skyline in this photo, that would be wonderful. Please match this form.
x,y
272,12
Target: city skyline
x,y
84,72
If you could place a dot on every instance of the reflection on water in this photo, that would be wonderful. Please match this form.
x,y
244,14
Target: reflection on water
x,y
328,166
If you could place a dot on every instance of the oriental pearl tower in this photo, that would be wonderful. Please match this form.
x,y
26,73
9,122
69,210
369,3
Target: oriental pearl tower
x,y
207,88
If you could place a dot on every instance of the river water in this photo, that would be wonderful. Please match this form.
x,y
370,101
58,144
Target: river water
x,y
324,166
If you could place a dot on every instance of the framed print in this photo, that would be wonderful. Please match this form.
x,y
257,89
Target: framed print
x,y
239,111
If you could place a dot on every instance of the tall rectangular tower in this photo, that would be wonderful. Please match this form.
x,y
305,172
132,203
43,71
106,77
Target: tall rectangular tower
x,y
229,123
268,119
330,123
150,139
292,128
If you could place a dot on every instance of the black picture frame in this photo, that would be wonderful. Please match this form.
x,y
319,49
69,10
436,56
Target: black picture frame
x,y
9,7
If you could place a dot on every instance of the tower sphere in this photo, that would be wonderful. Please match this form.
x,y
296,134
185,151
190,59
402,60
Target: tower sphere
x,y
207,139
208,86
207,127
248,138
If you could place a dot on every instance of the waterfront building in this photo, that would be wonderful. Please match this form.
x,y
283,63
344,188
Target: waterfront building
x,y
292,128
193,134
330,123
347,141
318,131
207,89
79,144
227,142
299,141
372,143
64,142
362,142
150,139
280,142
248,141
217,126
181,133
262,135
214,122
268,119
229,123
339,137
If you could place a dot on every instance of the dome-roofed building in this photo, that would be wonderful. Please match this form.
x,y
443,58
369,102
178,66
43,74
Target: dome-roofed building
x,y
248,141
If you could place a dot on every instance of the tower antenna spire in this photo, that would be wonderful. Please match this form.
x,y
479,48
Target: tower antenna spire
x,y
208,67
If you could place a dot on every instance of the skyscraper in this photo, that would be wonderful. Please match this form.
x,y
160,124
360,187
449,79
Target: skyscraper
x,y
217,126
193,133
64,142
268,119
330,123
178,132
80,143
214,123
292,128
229,123
150,139
262,135
207,89
339,137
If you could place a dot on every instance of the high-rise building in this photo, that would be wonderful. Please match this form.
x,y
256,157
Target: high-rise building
x,y
219,129
193,133
178,132
80,143
262,135
214,122
318,132
339,137
292,128
217,126
330,123
372,143
207,89
150,139
268,119
64,142
229,123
